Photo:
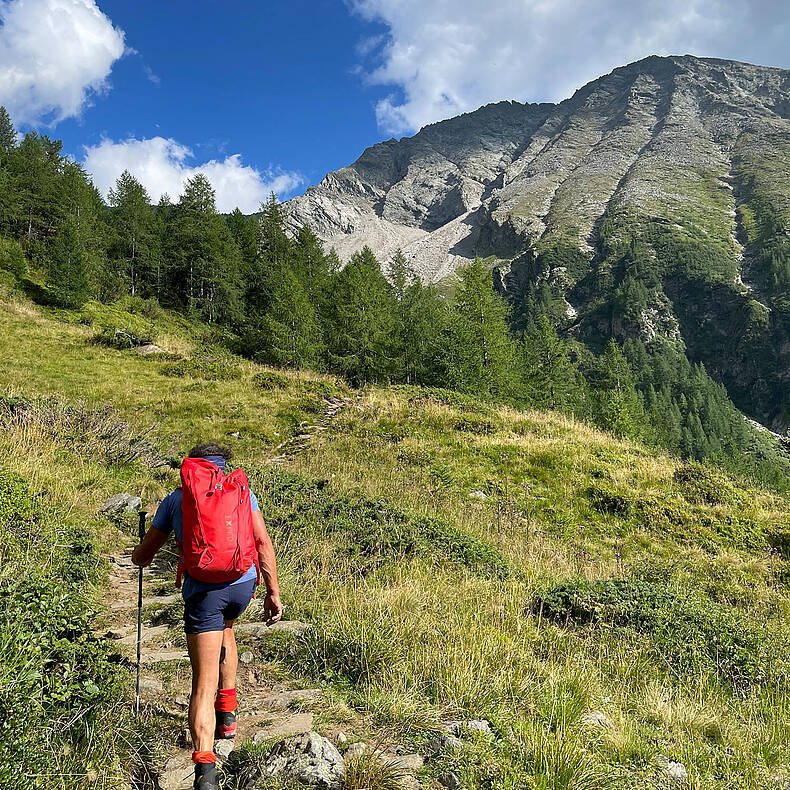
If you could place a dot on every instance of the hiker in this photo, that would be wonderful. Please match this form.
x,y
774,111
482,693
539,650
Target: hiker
x,y
221,569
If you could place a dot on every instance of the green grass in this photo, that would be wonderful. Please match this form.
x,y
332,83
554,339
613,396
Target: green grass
x,y
418,532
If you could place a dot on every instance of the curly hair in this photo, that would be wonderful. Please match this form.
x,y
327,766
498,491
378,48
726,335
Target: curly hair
x,y
210,448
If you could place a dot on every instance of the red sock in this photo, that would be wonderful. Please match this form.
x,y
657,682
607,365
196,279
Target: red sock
x,y
204,757
226,701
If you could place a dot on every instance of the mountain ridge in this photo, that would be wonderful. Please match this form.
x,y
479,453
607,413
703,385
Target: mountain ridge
x,y
684,160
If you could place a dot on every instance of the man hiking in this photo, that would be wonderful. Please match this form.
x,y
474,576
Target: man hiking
x,y
224,551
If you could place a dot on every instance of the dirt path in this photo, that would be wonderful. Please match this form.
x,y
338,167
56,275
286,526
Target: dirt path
x,y
266,710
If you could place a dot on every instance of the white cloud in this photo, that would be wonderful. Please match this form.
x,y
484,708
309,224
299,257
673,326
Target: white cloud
x,y
54,54
445,57
163,165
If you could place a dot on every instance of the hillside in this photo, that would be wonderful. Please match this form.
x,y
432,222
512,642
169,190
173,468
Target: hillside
x,y
653,204
611,611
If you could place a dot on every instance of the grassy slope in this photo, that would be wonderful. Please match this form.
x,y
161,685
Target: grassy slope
x,y
408,632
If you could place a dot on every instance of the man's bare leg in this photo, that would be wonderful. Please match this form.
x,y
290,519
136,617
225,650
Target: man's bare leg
x,y
204,653
229,658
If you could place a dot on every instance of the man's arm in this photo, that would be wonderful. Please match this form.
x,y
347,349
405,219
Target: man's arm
x,y
268,567
144,553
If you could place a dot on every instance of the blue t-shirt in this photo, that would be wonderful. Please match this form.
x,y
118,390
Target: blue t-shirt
x,y
168,518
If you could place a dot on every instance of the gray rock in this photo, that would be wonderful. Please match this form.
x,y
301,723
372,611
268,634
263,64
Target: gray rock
x,y
457,728
123,502
478,494
403,762
261,630
224,747
148,349
246,657
309,759
149,684
115,633
443,743
674,771
356,750
341,737
450,780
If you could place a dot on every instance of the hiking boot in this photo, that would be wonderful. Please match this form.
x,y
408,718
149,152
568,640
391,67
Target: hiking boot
x,y
206,776
226,724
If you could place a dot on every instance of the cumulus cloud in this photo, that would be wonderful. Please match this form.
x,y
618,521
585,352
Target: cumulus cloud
x,y
54,54
163,165
445,57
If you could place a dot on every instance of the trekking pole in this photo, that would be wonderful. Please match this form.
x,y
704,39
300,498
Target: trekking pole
x,y
141,532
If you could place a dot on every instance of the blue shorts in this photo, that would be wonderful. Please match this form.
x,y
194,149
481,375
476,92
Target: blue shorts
x,y
208,610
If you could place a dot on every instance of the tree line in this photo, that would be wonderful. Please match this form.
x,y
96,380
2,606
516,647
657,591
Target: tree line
x,y
288,302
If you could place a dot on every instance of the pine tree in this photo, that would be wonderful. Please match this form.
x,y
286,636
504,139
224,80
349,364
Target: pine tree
x,y
67,272
293,336
620,406
480,351
205,275
360,322
7,133
245,233
424,319
133,221
550,378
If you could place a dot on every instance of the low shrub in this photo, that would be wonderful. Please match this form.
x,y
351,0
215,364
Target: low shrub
x,y
702,485
371,530
689,632
205,369
271,380
12,258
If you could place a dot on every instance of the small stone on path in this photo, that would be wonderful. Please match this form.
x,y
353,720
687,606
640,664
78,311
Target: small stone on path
x,y
246,657
224,747
115,633
149,684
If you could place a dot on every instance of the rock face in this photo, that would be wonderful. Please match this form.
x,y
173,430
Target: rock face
x,y
667,145
496,180
308,759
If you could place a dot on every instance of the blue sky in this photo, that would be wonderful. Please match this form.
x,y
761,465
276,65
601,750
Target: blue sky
x,y
272,94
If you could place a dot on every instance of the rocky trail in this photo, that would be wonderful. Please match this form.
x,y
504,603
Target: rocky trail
x,y
269,711
266,710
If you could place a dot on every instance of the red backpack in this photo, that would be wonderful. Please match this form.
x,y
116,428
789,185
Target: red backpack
x,y
218,543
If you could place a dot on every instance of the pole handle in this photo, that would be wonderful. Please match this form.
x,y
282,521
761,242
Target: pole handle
x,y
141,525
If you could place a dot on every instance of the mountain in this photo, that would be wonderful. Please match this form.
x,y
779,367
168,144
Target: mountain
x,y
653,203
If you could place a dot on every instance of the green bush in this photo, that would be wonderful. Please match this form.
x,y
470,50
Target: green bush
x,y
59,684
205,369
689,632
371,531
703,485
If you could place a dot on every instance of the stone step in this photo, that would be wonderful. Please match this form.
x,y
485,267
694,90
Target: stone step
x,y
262,630
148,634
281,701
160,656
131,603
293,725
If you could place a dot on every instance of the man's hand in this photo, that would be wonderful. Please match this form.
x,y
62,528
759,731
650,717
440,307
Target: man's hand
x,y
272,607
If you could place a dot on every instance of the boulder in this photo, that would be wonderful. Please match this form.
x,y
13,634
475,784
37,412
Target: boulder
x,y
119,503
309,759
